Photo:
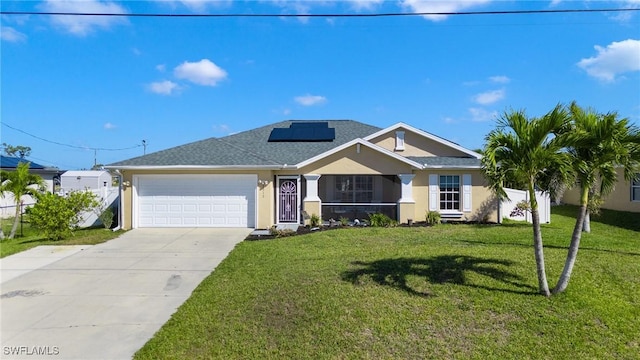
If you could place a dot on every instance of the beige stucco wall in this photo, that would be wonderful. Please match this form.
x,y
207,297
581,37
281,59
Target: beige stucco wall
x,y
347,161
415,145
619,199
483,203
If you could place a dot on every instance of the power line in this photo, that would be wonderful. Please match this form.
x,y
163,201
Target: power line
x,y
389,14
68,145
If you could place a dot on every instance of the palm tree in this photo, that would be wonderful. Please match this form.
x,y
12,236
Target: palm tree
x,y
526,150
19,183
598,144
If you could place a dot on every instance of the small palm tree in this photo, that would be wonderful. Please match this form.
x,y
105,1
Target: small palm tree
x,y
527,150
19,183
598,144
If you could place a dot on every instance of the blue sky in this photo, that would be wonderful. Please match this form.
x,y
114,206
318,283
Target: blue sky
x,y
110,82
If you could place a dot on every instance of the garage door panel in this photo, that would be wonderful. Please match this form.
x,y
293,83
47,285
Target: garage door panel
x,y
196,200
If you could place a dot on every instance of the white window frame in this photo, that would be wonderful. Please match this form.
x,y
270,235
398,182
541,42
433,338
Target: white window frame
x,y
635,186
442,192
464,194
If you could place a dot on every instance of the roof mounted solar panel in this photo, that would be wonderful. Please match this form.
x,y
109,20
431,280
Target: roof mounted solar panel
x,y
279,134
304,132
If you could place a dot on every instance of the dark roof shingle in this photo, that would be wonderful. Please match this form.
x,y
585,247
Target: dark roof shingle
x,y
251,148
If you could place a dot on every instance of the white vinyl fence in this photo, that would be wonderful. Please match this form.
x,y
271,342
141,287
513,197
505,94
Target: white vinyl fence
x,y
107,196
515,196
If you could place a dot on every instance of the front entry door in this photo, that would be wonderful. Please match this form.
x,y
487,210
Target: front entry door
x,y
288,200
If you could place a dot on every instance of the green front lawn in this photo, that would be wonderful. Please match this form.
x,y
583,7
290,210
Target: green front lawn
x,y
29,238
450,291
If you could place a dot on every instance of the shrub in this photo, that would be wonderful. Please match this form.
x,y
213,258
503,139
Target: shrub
x,y
381,220
274,231
520,209
106,217
57,216
344,221
433,218
314,220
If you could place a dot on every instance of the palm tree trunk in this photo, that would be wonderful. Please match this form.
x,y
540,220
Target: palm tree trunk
x,y
16,220
543,285
572,254
586,224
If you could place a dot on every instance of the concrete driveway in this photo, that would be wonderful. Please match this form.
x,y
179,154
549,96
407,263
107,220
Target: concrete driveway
x,y
107,300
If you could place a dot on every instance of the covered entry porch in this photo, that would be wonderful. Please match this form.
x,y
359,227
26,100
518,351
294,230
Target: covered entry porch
x,y
345,196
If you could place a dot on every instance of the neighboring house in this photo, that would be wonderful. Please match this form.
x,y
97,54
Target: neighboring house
x,y
49,175
278,173
625,196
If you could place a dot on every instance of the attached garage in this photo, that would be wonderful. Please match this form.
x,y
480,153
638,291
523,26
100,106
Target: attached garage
x,y
194,200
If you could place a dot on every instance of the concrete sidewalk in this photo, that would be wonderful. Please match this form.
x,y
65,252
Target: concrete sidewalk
x,y
106,301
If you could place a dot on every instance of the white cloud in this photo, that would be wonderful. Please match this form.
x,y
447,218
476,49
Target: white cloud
x,y
500,79
489,97
109,126
136,51
310,100
295,7
198,6
165,87
363,5
203,72
430,6
480,114
161,67
83,25
617,58
12,35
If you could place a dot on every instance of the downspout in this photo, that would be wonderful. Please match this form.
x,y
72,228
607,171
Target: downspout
x,y
121,205
499,210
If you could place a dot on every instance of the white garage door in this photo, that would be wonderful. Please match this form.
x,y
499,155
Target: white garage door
x,y
196,200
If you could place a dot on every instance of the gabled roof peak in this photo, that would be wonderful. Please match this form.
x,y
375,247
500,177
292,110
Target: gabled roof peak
x,y
425,134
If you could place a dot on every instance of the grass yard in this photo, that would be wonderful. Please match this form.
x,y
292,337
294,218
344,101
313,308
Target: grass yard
x,y
446,292
31,238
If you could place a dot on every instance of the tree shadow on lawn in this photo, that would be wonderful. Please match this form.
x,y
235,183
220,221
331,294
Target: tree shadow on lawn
x,y
547,246
437,270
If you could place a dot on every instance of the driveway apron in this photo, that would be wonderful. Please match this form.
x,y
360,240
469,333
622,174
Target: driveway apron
x,y
106,301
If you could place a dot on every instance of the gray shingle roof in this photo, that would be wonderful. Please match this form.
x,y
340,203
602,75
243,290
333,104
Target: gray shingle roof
x,y
251,148
446,161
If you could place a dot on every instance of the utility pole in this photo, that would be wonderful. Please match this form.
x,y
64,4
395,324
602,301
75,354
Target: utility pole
x,y
144,146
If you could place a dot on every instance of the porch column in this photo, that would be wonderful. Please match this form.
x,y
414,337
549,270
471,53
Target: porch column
x,y
311,203
406,204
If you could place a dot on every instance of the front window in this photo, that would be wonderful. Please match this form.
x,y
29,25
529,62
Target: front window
x,y
354,188
449,192
635,188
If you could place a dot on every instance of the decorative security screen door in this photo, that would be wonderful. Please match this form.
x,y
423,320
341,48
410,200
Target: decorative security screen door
x,y
288,201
